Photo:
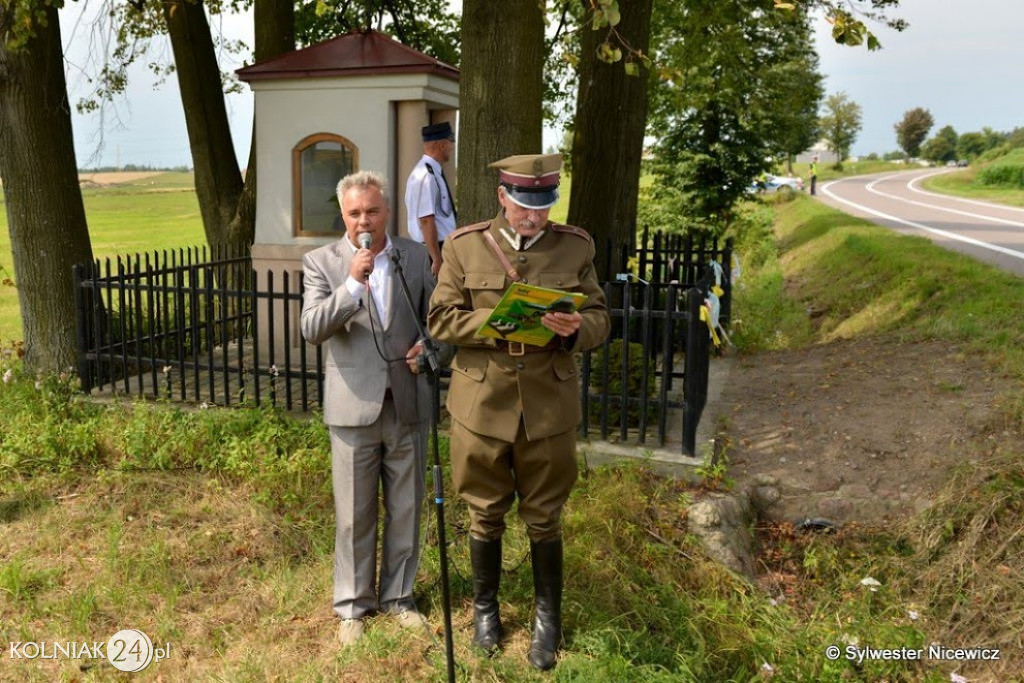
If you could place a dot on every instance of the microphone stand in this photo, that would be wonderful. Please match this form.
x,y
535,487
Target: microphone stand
x,y
433,364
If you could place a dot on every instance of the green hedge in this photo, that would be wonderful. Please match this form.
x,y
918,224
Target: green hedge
x,y
1002,175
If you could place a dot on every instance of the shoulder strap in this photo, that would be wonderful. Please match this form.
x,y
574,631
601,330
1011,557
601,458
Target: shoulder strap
x,y
493,244
475,227
571,230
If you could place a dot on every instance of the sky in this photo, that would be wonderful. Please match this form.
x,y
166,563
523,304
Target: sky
x,y
147,127
960,60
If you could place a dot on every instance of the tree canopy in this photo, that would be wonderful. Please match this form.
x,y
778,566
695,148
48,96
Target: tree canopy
x,y
841,123
747,93
942,147
913,129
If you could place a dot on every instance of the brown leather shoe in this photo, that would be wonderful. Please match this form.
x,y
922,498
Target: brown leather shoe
x,y
350,631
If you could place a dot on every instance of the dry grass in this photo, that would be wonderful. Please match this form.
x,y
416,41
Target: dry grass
x,y
969,558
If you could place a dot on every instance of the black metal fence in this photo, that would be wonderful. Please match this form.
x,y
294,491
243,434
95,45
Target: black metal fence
x,y
200,327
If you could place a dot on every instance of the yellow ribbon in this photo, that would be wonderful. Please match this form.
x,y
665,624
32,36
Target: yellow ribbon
x,y
705,315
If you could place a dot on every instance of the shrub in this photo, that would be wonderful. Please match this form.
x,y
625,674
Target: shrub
x,y
635,371
1002,175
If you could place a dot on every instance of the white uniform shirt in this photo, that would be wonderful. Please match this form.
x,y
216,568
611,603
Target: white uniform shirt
x,y
426,195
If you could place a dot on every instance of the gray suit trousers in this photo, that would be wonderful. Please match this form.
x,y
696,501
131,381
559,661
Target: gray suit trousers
x,y
387,452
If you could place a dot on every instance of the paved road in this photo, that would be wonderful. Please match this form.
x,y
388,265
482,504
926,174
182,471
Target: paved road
x,y
990,232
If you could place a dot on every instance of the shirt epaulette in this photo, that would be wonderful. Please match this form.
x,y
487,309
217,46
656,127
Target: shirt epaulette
x,y
476,227
572,230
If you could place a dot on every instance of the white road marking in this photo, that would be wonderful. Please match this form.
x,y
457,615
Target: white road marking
x,y
871,188
919,226
977,202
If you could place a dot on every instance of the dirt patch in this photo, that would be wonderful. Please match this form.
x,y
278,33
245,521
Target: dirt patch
x,y
115,178
855,430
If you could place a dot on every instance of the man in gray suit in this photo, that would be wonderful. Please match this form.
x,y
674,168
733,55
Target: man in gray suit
x,y
373,400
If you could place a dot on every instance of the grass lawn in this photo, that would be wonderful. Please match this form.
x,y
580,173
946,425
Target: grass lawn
x,y
151,214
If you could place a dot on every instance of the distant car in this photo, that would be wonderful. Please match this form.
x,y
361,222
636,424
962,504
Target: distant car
x,y
962,163
951,163
776,183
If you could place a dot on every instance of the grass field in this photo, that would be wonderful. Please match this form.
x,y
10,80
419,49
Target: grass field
x,y
152,213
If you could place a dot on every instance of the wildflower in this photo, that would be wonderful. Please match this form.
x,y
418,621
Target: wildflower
x,y
167,369
767,671
849,640
8,376
914,616
204,405
274,372
957,678
871,583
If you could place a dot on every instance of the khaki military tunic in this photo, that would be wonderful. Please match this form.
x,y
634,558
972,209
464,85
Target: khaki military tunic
x,y
516,415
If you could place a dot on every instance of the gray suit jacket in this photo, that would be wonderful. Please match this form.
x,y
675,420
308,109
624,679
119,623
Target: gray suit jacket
x,y
354,371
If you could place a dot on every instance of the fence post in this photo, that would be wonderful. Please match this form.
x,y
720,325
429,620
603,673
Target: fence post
x,y
81,330
725,315
695,381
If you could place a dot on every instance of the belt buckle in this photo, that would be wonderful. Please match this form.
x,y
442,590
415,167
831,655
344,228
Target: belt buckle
x,y
516,348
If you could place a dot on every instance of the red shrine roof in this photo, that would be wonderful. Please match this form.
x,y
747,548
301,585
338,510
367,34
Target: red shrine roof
x,y
358,53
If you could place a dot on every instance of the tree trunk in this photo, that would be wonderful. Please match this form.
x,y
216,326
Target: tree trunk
x,y
501,89
608,139
274,22
45,211
217,176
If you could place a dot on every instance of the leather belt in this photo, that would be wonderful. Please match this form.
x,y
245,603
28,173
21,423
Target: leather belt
x,y
520,349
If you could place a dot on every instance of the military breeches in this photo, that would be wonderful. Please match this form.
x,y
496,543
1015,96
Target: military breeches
x,y
489,474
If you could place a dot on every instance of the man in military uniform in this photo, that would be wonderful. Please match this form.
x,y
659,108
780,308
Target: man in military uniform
x,y
514,407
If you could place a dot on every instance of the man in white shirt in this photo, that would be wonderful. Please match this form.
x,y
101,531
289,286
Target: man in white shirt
x,y
428,197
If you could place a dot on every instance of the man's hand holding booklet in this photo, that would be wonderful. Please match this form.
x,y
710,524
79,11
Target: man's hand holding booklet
x,y
517,317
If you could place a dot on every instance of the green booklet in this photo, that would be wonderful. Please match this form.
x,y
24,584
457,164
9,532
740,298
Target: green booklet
x,y
517,316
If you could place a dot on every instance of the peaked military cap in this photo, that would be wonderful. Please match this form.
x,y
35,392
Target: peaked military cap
x,y
437,131
530,180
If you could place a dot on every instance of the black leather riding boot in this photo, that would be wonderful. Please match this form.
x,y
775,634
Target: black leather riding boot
x,y
486,559
547,586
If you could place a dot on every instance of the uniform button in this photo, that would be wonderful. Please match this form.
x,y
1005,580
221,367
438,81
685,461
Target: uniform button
x,y
522,258
525,281
520,365
485,283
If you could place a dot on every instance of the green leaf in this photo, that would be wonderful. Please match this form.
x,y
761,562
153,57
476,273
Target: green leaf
x,y
613,15
632,69
321,8
873,43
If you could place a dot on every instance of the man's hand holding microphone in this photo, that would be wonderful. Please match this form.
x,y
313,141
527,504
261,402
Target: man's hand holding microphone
x,y
362,262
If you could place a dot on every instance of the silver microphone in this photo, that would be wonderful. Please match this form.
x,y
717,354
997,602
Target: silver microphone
x,y
365,239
